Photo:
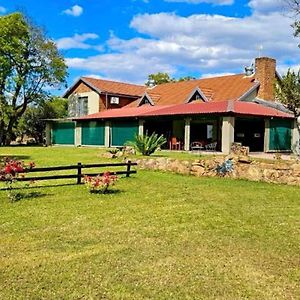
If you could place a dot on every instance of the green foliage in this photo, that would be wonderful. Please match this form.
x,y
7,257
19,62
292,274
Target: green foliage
x,y
159,78
288,91
32,122
30,65
146,144
293,6
186,78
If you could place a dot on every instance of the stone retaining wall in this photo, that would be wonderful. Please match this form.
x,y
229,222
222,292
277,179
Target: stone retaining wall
x,y
276,172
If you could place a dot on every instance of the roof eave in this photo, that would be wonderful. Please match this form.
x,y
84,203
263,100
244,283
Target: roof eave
x,y
81,79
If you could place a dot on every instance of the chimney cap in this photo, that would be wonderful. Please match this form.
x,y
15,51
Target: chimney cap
x,y
265,58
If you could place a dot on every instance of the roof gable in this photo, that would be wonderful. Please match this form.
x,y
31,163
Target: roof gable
x,y
195,95
102,86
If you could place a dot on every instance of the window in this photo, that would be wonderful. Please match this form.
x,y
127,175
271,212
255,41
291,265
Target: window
x,y
209,131
82,106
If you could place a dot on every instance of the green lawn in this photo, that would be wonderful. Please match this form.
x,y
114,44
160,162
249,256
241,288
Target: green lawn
x,y
159,236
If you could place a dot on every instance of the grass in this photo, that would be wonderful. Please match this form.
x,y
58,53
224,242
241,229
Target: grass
x,y
159,236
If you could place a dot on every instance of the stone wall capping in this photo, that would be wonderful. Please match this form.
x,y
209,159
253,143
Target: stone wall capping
x,y
280,172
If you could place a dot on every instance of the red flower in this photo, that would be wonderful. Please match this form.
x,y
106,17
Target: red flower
x,y
8,169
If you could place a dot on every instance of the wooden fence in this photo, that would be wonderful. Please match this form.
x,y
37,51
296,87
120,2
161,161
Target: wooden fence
x,y
79,174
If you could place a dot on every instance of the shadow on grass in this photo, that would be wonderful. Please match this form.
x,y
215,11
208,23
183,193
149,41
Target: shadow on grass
x,y
19,196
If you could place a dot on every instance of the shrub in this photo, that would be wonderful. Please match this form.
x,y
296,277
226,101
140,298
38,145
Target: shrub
x,y
10,170
146,144
225,167
100,184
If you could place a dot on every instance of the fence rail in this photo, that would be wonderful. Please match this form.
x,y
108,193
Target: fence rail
x,y
79,175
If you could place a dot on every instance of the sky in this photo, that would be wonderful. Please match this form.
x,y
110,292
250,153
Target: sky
x,y
127,40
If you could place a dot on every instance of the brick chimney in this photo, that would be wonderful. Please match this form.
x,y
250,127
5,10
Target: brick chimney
x,y
265,69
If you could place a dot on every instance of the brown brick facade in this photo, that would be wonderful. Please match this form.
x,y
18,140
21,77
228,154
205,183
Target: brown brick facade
x,y
123,101
265,74
83,88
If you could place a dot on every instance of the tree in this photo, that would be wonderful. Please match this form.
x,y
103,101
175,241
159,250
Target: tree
x,y
294,6
288,93
32,122
30,64
186,78
159,78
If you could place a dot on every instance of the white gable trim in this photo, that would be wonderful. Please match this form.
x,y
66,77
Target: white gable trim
x,y
85,82
245,95
148,98
197,89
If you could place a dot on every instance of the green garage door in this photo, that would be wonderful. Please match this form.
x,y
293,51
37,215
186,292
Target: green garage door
x,y
92,133
123,132
280,135
63,133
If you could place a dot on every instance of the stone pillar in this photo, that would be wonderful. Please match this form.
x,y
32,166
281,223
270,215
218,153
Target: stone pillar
x,y
267,135
187,134
48,133
107,132
141,127
227,134
77,134
296,137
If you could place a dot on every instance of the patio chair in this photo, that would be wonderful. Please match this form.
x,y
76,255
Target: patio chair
x,y
175,144
196,146
211,146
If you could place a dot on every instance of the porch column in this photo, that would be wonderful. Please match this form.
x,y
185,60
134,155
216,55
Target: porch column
x,y
227,134
107,134
267,135
78,134
141,127
296,137
187,134
48,133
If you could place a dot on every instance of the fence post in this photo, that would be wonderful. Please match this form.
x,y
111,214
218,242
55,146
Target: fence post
x,y
79,173
128,168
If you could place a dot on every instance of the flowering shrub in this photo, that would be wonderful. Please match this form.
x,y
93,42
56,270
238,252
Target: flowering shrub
x,y
225,167
100,184
10,170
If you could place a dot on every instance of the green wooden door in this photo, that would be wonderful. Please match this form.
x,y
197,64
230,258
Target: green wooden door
x,y
92,133
123,132
280,135
63,133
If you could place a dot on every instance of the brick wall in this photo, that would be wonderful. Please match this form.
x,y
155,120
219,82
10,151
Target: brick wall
x,y
265,69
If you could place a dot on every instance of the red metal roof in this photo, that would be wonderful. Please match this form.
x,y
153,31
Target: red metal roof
x,y
224,107
125,112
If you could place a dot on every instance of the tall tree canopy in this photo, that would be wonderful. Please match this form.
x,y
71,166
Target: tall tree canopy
x,y
288,91
294,7
30,64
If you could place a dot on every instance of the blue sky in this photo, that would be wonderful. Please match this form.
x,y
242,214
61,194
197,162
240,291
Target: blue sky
x,y
128,39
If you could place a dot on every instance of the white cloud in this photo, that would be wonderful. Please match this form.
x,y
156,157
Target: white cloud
x,y
196,44
77,41
74,11
214,2
122,66
210,75
2,10
268,6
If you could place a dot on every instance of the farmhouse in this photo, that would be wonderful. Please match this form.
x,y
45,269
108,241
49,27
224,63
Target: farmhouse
x,y
209,113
